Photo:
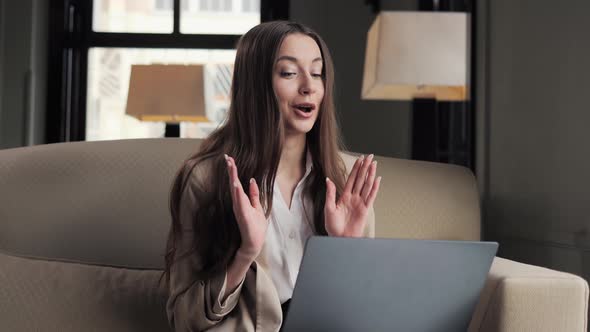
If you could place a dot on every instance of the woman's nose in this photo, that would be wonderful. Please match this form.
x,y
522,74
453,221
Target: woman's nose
x,y
306,86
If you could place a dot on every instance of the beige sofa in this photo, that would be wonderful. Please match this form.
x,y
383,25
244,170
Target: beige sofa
x,y
83,226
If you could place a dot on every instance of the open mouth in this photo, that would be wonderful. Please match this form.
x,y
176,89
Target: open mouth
x,y
305,107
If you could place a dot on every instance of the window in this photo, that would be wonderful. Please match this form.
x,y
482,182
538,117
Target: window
x,y
108,82
93,44
164,4
217,17
109,68
138,16
250,6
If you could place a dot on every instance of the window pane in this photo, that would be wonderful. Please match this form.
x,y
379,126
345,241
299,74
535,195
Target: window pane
x,y
219,16
109,71
155,16
227,5
246,5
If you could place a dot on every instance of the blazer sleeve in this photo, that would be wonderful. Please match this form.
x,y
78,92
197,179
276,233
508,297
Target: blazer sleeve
x,y
195,305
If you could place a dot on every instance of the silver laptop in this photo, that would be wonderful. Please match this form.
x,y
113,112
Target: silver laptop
x,y
362,284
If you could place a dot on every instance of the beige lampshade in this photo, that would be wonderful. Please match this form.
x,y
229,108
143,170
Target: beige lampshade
x,y
416,55
169,93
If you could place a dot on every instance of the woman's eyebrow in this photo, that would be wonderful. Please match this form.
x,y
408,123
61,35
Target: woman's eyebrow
x,y
294,59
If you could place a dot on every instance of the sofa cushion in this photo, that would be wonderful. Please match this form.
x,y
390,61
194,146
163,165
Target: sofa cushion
x,y
44,295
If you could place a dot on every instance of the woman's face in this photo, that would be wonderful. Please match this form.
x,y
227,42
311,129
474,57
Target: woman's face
x,y
297,82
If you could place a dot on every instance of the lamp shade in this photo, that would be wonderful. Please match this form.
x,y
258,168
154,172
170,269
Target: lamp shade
x,y
416,55
169,93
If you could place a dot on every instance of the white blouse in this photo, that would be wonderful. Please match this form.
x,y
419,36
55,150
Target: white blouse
x,y
287,233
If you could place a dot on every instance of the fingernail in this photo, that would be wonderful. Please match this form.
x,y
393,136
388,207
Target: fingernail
x,y
235,184
362,157
379,179
371,155
225,155
375,162
252,180
327,179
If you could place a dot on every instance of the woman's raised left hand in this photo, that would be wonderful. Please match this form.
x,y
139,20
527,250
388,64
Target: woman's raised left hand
x,y
348,216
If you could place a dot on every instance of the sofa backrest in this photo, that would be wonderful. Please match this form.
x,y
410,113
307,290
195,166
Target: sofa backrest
x,y
426,200
103,202
106,202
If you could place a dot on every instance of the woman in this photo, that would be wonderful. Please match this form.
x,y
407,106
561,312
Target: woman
x,y
271,176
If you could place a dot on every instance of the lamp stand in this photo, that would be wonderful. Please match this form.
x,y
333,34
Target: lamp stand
x,y
440,131
172,130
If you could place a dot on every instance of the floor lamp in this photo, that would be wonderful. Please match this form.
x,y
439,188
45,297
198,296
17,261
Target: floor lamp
x,y
420,57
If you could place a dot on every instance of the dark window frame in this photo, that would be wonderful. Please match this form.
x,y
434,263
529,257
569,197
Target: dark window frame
x,y
70,38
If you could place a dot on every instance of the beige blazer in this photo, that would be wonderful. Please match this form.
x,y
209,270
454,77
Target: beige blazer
x,y
253,306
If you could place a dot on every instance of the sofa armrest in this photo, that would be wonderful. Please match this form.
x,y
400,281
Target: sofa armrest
x,y
521,297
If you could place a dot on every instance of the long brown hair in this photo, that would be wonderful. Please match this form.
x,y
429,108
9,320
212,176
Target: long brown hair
x,y
253,135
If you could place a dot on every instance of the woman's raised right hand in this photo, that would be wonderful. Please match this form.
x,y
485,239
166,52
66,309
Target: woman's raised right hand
x,y
248,211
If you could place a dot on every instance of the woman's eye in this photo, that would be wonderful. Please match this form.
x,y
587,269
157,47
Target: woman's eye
x,y
316,75
287,74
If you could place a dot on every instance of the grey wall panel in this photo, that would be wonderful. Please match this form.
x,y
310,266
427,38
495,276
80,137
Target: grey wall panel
x,y
38,65
2,47
538,193
23,72
16,62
